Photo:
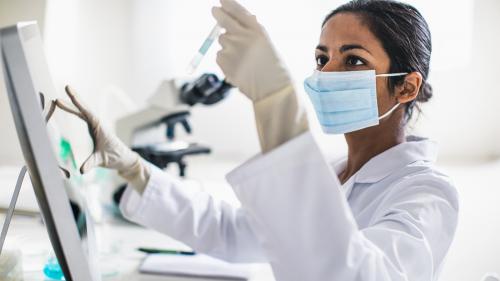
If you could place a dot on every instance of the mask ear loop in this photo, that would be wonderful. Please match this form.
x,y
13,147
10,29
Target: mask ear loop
x,y
397,104
391,74
389,112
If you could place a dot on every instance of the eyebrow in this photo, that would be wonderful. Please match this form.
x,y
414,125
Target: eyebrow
x,y
342,49
322,48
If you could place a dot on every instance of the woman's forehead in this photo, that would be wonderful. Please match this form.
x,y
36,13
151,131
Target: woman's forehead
x,y
348,28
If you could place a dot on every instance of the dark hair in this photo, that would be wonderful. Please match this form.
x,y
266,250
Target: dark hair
x,y
405,36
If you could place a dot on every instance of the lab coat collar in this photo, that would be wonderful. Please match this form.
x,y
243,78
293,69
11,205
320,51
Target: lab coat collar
x,y
413,150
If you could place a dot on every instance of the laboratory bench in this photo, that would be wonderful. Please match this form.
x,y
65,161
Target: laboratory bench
x,y
477,232
118,240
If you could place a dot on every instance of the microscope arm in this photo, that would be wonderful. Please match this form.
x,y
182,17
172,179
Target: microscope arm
x,y
128,125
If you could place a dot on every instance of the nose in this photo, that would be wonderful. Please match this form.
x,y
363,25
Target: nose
x,y
332,66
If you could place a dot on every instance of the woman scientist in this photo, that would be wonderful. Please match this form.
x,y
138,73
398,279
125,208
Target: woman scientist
x,y
382,213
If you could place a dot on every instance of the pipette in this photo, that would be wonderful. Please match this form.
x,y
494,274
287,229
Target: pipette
x,y
216,31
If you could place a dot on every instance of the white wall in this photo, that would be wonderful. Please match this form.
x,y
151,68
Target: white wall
x,y
108,48
463,116
10,13
476,245
165,40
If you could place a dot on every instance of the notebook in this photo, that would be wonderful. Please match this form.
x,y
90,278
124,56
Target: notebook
x,y
197,266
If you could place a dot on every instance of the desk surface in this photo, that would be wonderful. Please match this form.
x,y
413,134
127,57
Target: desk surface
x,y
477,235
117,242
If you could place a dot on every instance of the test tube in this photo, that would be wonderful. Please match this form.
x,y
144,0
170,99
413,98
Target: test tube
x,y
214,33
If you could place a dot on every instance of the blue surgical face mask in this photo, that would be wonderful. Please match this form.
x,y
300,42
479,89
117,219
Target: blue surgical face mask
x,y
346,101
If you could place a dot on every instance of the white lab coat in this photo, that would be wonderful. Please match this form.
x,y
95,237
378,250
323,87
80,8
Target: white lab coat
x,y
393,220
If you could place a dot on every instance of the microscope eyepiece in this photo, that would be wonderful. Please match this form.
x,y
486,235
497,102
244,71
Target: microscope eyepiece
x,y
207,90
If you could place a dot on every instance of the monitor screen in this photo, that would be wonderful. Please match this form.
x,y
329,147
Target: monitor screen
x,y
47,153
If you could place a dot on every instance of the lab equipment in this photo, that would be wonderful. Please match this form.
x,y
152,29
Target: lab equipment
x,y
166,251
169,106
346,101
52,269
202,51
26,75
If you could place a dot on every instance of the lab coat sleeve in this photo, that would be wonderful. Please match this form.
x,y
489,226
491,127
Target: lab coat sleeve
x,y
308,232
192,217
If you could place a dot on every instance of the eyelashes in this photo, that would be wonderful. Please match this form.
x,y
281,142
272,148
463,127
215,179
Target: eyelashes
x,y
349,61
321,60
354,61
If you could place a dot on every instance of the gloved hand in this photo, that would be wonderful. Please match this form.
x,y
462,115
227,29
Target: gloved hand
x,y
109,151
250,62
247,57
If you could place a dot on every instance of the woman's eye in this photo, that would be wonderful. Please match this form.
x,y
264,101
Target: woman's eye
x,y
321,60
354,61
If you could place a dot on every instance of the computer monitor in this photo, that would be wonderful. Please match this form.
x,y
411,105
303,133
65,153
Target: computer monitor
x,y
27,75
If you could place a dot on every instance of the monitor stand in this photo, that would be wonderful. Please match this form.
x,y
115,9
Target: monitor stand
x,y
12,206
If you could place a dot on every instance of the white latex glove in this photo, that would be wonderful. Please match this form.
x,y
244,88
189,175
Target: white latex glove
x,y
109,151
248,58
250,62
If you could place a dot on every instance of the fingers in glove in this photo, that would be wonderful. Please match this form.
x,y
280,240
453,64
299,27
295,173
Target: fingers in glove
x,y
66,107
224,41
227,64
79,104
238,12
65,172
94,160
91,123
230,24
42,99
52,109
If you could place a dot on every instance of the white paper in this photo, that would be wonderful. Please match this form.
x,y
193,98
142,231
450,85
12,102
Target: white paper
x,y
198,265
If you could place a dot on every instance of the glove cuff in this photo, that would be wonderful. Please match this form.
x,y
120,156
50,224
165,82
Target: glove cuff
x,y
137,175
279,117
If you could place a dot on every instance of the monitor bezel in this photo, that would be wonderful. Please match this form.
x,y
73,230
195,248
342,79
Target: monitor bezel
x,y
38,153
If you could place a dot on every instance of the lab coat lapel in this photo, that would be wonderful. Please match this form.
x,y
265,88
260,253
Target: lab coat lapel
x,y
339,167
389,161
397,157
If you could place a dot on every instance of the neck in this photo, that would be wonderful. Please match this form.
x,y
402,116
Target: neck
x,y
365,144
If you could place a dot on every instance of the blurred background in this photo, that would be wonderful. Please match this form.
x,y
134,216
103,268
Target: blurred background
x,y
115,53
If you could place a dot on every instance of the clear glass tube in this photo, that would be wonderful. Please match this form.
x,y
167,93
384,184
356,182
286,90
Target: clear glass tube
x,y
195,62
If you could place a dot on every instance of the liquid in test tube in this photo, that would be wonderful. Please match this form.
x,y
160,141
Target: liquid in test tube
x,y
216,31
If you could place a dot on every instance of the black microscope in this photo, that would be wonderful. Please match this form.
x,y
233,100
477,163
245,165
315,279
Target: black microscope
x,y
170,107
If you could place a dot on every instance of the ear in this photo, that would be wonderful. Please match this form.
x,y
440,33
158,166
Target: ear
x,y
410,88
